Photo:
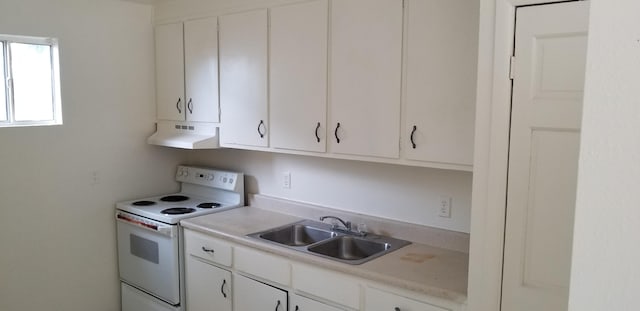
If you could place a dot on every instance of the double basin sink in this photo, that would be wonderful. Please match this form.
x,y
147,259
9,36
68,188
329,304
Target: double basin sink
x,y
327,241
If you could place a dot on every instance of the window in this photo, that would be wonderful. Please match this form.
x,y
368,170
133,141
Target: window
x,y
29,81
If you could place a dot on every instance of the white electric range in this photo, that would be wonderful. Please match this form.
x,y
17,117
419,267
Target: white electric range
x,y
150,243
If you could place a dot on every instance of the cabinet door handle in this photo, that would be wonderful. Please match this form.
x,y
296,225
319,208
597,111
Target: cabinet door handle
x,y
396,309
190,106
413,143
224,282
317,128
278,305
259,128
208,250
297,308
178,105
335,133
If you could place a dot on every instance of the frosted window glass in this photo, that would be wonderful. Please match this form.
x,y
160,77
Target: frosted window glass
x,y
3,86
32,82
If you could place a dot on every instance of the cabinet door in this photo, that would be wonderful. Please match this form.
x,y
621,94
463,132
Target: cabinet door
x,y
170,72
251,295
298,76
377,300
300,303
441,61
366,37
201,70
207,287
243,78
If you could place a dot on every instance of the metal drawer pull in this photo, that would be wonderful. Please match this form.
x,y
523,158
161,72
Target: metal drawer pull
x,y
178,105
278,305
336,133
259,127
413,143
317,137
190,106
208,250
224,282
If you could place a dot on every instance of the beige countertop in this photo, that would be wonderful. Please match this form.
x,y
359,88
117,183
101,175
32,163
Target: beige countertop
x,y
417,267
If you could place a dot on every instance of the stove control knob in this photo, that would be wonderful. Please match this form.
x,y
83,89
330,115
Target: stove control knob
x,y
210,177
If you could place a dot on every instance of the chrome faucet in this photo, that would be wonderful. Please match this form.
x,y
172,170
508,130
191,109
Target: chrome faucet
x,y
346,224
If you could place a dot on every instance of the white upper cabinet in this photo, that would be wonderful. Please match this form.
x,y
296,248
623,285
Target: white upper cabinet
x,y
440,66
298,76
187,71
243,79
170,72
366,55
201,70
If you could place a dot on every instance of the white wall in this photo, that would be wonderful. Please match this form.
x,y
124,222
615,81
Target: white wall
x,y
605,272
404,193
57,229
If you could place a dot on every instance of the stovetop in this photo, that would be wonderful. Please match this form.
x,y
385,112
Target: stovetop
x,y
172,210
202,191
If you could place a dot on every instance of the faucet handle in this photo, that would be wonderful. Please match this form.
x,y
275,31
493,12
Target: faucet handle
x,y
361,228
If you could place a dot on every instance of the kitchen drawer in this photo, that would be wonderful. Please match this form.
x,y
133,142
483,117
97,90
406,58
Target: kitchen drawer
x,y
207,248
327,285
263,265
379,300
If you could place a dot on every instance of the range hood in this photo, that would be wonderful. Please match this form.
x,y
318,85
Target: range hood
x,y
186,135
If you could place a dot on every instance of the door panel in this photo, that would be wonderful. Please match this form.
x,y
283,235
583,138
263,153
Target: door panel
x,y
550,53
298,76
251,295
201,69
170,72
243,78
366,64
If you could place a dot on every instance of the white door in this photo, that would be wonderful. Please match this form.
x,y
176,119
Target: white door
x,y
550,54
170,100
298,71
201,69
251,295
366,54
207,286
440,65
243,79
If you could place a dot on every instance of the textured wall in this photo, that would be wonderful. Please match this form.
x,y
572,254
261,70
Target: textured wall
x,y
605,269
57,229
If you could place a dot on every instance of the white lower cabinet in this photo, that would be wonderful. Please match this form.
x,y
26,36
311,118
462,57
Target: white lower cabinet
x,y
207,286
329,285
379,300
252,295
300,303
224,276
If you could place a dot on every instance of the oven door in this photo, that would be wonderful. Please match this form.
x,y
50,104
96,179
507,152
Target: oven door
x,y
148,256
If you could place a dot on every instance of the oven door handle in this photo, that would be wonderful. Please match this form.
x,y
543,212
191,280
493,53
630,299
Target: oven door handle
x,y
159,228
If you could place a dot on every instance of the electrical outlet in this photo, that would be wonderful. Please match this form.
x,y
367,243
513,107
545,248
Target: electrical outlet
x,y
444,207
286,180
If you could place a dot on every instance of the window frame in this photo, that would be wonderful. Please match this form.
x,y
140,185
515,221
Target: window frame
x,y
8,85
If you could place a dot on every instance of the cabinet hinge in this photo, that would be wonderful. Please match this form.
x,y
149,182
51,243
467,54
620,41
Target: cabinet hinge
x,y
512,64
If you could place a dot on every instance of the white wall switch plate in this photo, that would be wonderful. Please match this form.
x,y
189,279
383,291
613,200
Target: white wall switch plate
x,y
444,207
